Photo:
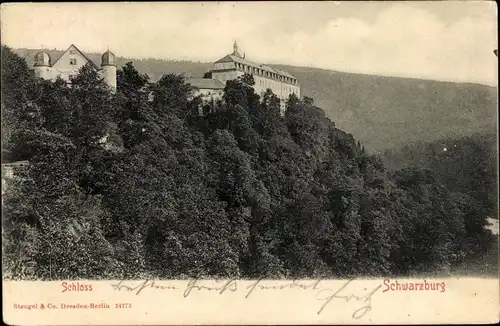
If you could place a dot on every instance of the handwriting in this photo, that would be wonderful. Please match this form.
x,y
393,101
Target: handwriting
x,y
145,284
230,285
294,284
328,295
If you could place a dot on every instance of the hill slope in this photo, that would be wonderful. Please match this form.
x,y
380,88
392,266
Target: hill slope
x,y
242,192
382,112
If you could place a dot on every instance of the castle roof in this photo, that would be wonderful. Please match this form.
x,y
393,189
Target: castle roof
x,y
284,73
42,59
205,83
235,58
108,58
54,55
83,55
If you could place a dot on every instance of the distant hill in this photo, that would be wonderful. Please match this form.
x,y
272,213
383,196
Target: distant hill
x,y
382,112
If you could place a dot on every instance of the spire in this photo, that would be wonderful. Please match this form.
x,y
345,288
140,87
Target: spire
x,y
235,49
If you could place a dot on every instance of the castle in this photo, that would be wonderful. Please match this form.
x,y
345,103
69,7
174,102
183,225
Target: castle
x,y
233,66
229,67
70,62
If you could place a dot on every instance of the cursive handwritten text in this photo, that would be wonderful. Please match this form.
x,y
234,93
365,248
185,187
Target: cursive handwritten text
x,y
346,292
328,295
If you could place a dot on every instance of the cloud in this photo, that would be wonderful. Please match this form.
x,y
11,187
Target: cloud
x,y
403,41
399,39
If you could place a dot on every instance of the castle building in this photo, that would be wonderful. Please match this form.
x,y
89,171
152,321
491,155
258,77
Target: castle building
x,y
234,65
209,89
70,62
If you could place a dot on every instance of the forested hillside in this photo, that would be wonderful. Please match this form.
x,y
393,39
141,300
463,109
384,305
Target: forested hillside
x,y
124,186
466,164
389,112
381,112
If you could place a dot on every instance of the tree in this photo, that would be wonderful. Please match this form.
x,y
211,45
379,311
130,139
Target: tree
x,y
91,102
137,185
132,104
267,118
53,230
130,80
171,95
248,79
19,109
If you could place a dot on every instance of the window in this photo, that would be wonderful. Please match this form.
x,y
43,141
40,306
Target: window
x,y
72,61
72,51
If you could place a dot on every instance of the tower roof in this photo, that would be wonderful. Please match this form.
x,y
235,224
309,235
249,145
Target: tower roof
x,y
108,59
42,59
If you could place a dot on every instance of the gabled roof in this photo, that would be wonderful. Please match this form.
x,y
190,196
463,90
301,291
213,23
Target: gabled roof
x,y
234,58
284,73
227,58
83,55
205,83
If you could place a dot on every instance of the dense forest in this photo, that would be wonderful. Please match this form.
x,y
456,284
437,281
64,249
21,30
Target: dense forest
x,y
137,184
465,164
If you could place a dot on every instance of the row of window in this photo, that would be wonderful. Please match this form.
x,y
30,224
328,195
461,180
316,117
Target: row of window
x,y
265,73
266,84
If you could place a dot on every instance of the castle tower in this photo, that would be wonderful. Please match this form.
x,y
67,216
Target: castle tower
x,y
42,65
108,66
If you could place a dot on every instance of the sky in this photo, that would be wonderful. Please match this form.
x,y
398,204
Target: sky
x,y
448,40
